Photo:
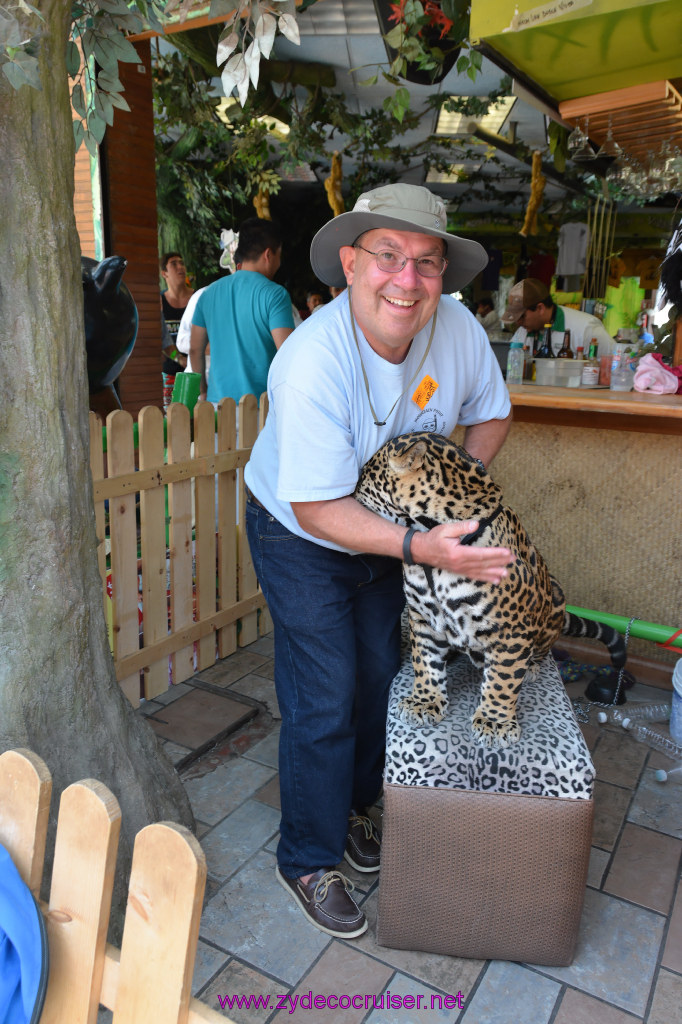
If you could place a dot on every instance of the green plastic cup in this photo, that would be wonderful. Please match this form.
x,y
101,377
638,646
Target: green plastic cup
x,y
186,389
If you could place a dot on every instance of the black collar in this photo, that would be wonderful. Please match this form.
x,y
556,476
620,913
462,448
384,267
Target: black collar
x,y
469,538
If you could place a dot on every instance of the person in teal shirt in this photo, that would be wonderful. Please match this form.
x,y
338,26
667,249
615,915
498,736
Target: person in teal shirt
x,y
245,317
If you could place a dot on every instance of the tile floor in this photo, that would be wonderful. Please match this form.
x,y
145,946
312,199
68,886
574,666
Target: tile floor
x,y
221,730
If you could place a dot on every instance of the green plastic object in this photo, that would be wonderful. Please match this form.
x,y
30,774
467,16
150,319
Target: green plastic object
x,y
665,635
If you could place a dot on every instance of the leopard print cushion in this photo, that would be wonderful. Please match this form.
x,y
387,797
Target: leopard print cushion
x,y
550,759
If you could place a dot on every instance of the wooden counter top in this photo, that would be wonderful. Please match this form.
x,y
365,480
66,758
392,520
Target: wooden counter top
x,y
598,407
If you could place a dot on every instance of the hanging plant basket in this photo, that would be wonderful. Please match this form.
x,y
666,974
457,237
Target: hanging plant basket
x,y
445,50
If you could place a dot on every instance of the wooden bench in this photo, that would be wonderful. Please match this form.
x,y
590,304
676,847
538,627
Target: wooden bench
x,y
147,981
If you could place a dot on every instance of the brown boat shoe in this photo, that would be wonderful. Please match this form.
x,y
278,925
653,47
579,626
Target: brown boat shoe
x,y
363,843
326,901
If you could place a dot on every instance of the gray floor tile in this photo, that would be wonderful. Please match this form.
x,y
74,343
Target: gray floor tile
x,y
220,792
208,961
237,984
617,952
261,689
666,1007
174,751
265,646
610,807
509,993
236,838
254,918
446,973
267,751
657,805
172,693
419,1007
236,665
599,860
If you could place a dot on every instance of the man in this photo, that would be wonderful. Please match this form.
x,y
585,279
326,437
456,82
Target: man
x,y
486,314
245,317
530,306
314,301
390,355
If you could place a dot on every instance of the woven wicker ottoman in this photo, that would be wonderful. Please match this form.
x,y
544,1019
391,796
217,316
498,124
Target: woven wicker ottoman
x,y
485,852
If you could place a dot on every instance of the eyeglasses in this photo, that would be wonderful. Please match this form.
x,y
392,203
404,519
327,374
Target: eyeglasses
x,y
392,262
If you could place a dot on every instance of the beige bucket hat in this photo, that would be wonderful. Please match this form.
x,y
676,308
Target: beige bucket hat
x,y
403,208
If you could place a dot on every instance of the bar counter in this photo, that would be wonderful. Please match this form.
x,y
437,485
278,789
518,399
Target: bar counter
x,y
598,407
596,478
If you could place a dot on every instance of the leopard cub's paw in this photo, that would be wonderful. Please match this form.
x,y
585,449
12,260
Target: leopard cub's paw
x,y
421,710
495,734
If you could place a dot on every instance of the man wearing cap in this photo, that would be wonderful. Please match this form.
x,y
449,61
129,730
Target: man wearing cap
x,y
531,307
391,354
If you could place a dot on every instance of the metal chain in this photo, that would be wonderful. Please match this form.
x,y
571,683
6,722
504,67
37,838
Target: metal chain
x,y
582,707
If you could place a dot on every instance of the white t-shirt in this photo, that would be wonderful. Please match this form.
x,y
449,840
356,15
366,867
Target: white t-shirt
x,y
185,329
583,327
320,431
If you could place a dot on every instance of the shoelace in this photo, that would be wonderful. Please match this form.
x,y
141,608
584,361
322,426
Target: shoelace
x,y
367,824
322,888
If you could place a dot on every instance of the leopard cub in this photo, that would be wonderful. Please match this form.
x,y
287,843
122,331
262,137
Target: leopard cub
x,y
506,629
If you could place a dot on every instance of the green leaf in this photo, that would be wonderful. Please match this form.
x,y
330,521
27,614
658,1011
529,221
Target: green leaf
x,y
10,34
104,107
117,100
472,72
73,59
90,144
462,64
477,59
124,50
78,100
115,7
88,41
23,70
395,37
96,126
104,52
372,80
108,82
78,132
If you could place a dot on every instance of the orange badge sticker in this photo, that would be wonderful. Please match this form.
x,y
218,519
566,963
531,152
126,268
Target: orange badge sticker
x,y
425,391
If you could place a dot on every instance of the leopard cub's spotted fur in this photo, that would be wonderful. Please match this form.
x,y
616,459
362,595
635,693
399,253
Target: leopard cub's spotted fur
x,y
507,628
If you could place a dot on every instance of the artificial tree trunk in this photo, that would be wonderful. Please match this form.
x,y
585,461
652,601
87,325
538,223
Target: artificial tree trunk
x,y
58,691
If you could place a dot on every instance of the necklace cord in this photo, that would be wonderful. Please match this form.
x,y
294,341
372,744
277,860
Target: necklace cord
x,y
377,422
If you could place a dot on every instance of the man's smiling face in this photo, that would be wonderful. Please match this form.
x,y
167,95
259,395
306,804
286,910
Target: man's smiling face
x,y
391,308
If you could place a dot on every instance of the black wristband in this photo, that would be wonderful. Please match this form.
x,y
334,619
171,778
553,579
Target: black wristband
x,y
407,543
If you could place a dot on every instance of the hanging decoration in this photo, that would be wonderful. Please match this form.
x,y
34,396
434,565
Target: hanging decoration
x,y
537,187
332,185
601,221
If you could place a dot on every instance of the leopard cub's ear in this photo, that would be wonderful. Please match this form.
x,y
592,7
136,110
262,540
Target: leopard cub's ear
x,y
410,460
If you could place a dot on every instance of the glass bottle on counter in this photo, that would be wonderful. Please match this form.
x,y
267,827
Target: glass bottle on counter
x,y
565,352
545,344
590,375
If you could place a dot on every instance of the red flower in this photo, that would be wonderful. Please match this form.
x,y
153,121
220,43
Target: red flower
x,y
398,12
436,17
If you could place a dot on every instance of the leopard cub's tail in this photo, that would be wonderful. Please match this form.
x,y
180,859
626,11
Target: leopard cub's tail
x,y
574,625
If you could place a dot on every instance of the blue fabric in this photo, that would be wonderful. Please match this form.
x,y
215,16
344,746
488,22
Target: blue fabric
x,y
337,648
239,313
23,948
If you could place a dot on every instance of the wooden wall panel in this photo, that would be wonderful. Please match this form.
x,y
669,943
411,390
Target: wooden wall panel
x,y
130,212
82,203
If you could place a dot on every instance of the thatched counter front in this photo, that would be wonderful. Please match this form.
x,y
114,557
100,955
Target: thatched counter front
x,y
596,477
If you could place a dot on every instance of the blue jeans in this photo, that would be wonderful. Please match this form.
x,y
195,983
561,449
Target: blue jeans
x,y
337,648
